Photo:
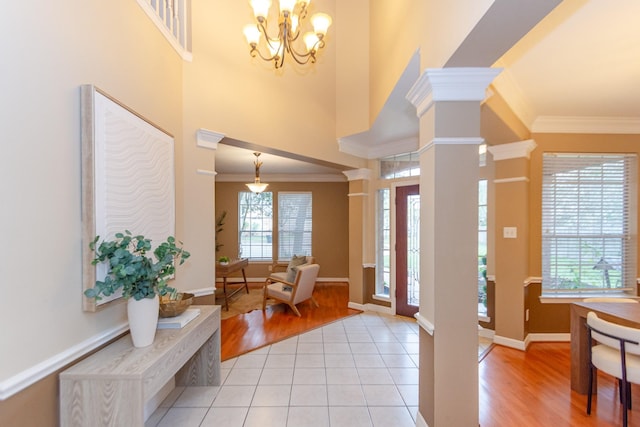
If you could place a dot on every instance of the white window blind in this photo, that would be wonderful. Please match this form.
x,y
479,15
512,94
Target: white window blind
x,y
294,224
588,222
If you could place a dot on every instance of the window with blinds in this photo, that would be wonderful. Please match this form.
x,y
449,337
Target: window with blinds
x,y
588,222
294,224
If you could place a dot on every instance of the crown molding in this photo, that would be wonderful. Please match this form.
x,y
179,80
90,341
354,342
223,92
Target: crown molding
x,y
208,139
356,174
450,84
507,87
451,141
513,150
574,124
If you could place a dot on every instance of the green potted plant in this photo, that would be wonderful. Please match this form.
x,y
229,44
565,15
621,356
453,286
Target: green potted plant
x,y
141,278
224,260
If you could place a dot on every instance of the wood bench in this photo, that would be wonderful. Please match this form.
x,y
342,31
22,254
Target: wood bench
x,y
111,387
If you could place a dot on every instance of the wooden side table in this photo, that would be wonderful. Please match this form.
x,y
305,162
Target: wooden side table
x,y
225,271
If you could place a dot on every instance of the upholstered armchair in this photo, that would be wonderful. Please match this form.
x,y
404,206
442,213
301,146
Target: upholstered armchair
x,y
286,272
292,293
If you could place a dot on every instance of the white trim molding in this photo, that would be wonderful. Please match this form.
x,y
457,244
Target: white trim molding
x,y
513,150
450,84
451,141
361,145
601,125
510,342
24,379
371,307
282,177
509,180
356,174
206,172
208,139
425,324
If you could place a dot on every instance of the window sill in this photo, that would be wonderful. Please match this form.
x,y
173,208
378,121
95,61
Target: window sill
x,y
381,297
579,297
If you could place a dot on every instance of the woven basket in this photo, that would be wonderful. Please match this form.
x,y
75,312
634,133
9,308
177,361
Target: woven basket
x,y
173,308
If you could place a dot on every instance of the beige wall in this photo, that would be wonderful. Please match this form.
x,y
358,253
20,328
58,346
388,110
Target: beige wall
x,y
330,243
50,50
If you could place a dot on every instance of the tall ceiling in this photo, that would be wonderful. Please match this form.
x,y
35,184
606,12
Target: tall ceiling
x,y
577,71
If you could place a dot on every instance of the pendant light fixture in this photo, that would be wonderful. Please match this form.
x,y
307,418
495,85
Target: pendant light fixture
x,y
256,186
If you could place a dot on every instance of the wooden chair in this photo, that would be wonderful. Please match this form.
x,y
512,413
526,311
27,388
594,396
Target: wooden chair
x,y
292,293
616,353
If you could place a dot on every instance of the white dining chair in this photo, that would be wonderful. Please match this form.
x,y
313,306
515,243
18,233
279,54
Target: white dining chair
x,y
617,353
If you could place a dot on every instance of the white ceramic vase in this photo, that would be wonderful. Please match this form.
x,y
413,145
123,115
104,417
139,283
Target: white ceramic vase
x,y
143,320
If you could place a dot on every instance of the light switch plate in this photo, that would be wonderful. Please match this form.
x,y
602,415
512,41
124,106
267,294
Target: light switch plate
x,y
510,232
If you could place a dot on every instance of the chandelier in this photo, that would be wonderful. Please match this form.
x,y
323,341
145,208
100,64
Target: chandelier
x,y
256,186
292,13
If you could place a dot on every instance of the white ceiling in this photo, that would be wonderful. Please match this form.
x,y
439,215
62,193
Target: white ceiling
x,y
577,71
580,66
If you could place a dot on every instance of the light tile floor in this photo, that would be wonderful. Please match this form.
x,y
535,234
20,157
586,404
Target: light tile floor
x,y
360,371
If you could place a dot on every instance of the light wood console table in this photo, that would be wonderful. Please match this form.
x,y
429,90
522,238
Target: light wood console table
x,y
111,387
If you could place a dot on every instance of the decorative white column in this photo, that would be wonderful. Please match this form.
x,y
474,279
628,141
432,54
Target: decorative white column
x,y
448,105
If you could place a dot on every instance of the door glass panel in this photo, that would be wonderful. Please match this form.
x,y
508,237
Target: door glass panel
x,y
413,250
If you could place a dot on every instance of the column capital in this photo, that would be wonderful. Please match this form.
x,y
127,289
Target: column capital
x,y
356,174
450,84
512,150
208,139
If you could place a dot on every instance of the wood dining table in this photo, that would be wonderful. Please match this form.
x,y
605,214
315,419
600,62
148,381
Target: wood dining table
x,y
627,314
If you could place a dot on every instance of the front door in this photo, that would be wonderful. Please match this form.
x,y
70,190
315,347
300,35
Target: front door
x,y
407,250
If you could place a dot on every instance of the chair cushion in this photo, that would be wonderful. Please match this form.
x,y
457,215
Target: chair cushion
x,y
279,290
295,262
607,359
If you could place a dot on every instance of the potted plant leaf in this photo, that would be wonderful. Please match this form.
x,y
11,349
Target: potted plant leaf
x,y
140,277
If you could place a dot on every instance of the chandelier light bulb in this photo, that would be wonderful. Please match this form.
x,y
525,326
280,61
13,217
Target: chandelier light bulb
x,y
252,34
311,40
286,6
294,23
321,23
260,8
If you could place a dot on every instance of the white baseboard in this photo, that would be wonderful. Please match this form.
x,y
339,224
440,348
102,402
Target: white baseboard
x,y
370,307
30,376
537,337
556,337
420,421
510,342
486,333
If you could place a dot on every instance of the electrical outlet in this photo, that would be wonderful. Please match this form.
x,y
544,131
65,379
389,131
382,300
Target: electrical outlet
x,y
510,232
